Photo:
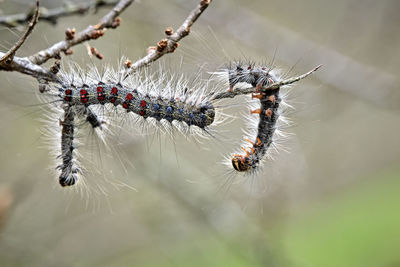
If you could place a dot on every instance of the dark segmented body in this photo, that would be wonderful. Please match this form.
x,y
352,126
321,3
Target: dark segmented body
x,y
268,114
142,104
69,172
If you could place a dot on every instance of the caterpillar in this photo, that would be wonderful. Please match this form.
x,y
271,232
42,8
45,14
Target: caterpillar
x,y
149,99
69,172
158,98
268,116
268,111
143,104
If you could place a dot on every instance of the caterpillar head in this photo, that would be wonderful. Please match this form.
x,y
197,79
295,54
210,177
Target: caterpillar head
x,y
241,163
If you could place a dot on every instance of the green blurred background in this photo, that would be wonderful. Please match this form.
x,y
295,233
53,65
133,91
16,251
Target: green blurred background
x,y
334,200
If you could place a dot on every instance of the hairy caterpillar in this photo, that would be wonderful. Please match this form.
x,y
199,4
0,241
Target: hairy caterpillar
x,y
144,104
268,115
157,98
268,111
69,172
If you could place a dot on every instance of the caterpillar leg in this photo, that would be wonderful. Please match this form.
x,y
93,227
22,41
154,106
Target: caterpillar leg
x,y
92,118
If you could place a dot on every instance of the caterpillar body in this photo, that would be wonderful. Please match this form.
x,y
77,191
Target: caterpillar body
x,y
69,170
143,104
268,116
268,111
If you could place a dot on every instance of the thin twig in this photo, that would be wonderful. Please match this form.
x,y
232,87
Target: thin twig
x,y
110,20
52,15
7,57
245,91
170,43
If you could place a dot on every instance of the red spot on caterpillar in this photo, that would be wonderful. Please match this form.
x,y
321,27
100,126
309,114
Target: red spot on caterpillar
x,y
100,94
143,103
84,96
125,105
114,91
256,111
142,112
68,94
268,112
129,96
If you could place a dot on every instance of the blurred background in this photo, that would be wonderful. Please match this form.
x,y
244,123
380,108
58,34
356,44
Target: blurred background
x,y
333,200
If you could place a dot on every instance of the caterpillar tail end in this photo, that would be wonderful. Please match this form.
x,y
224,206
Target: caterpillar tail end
x,y
68,178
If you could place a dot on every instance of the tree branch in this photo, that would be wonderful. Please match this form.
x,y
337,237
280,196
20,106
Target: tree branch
x,y
169,44
52,15
7,57
110,20
31,65
245,91
23,65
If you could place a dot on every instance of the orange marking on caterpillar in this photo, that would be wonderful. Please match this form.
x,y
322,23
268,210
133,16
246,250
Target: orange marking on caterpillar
x,y
256,95
247,152
249,141
256,111
258,142
268,113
